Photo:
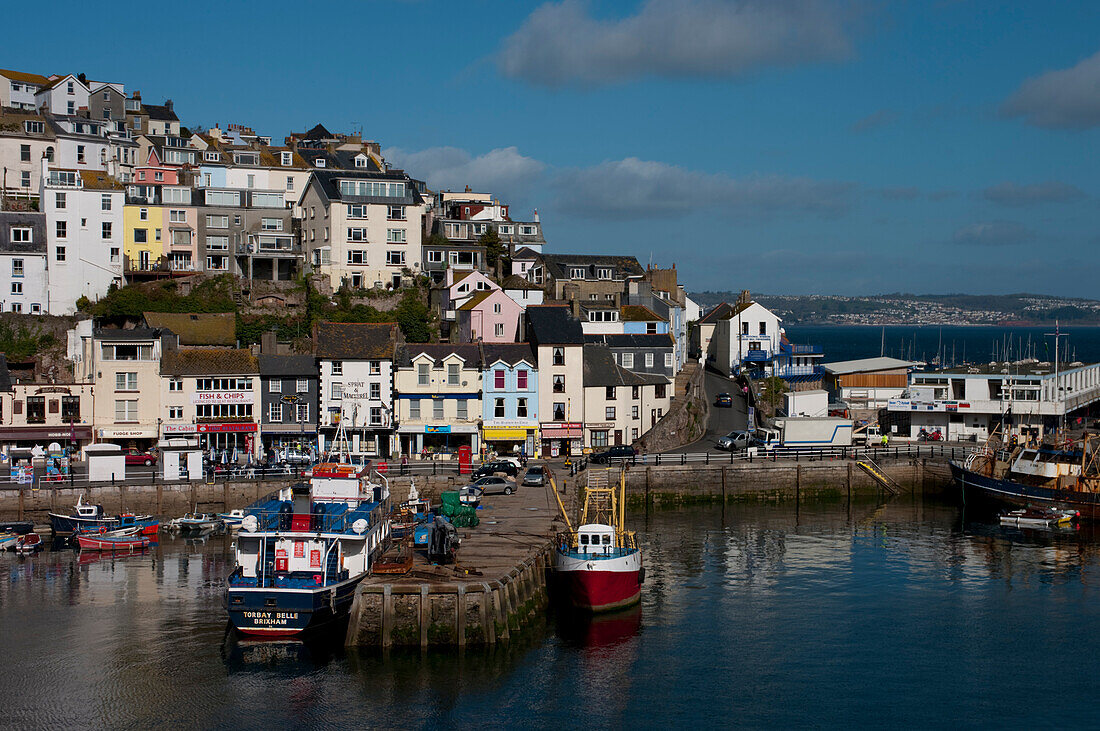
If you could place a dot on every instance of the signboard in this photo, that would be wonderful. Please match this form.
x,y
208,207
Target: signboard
x,y
179,428
222,428
222,397
131,433
752,418
299,549
520,434
437,429
315,559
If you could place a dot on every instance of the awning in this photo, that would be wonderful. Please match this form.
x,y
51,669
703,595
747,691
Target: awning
x,y
572,432
511,433
53,433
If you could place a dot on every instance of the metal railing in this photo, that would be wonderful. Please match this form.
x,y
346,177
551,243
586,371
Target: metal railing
x,y
807,454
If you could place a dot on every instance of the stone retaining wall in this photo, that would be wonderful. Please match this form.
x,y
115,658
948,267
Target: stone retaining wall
x,y
686,421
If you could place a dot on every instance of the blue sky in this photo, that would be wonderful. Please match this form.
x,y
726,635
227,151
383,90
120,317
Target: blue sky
x,y
785,146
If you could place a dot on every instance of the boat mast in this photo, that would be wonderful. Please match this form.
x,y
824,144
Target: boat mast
x,y
1057,388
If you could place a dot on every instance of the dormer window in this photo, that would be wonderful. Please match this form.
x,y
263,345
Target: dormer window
x,y
603,273
576,273
319,162
246,158
209,156
35,127
360,161
287,158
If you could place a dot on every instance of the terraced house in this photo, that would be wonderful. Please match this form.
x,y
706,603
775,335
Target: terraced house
x,y
438,394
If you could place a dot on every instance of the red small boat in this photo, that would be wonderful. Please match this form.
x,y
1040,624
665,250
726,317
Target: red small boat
x,y
112,543
28,543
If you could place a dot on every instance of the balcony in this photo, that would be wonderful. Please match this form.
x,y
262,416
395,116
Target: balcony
x,y
791,349
756,356
269,246
62,179
785,371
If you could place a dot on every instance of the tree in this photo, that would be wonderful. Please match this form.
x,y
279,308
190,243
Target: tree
x,y
493,248
774,388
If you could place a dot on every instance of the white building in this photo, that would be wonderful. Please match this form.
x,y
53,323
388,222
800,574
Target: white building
x,y
17,89
748,336
83,236
23,262
64,95
620,405
867,383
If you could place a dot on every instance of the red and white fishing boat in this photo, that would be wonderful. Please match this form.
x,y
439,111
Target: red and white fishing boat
x,y
28,543
598,564
133,542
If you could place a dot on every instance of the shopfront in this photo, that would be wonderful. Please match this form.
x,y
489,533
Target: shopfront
x,y
277,438
512,440
228,442
73,438
561,439
428,441
139,438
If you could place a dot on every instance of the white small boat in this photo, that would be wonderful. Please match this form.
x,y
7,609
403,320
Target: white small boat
x,y
7,540
232,519
1039,517
197,522
28,544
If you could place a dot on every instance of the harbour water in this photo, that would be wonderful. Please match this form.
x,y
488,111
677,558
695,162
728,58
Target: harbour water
x,y
904,613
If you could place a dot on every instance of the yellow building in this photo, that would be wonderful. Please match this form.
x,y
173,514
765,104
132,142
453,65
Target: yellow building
x,y
144,235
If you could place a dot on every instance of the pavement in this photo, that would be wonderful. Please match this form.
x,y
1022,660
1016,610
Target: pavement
x,y
722,420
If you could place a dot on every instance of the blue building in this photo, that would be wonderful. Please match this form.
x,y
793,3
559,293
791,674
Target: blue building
x,y
510,400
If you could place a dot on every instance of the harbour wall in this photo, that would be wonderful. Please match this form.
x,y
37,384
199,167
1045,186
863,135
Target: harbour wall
x,y
451,613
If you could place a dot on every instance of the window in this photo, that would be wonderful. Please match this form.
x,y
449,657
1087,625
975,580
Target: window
x,y
496,308
104,202
271,224
521,380
17,267
62,229
59,200
287,158
275,412
599,438
559,411
763,328
576,273
251,181
498,379
435,256
126,410
357,211
25,153
659,391
16,306
158,176
559,356
236,220
422,374
21,235
302,414
609,413
649,360
651,328
177,216
175,412
59,253
395,258
357,234
143,214
156,234
504,230
559,384
610,395
376,415
375,391
376,367
17,288
414,408
223,198
634,411
337,367
79,148
521,408
217,221
634,433
452,374
115,254
127,352
498,408
36,409
70,409
217,243
176,384
668,360
527,230
437,408
357,256
33,127
289,183
217,263
628,360
395,213
336,391
106,230
395,235
370,188
275,385
462,413
603,273
126,382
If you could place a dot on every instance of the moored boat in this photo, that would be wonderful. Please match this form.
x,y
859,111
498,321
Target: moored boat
x,y
599,565
301,553
112,543
1038,518
7,540
197,522
28,543
92,519
232,519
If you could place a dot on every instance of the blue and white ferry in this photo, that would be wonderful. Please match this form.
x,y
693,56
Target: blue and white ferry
x,y
301,554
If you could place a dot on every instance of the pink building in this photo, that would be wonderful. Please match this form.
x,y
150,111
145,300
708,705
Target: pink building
x,y
492,316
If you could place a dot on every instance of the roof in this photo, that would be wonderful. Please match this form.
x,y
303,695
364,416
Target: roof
x,y
355,340
159,111
118,333
553,325
510,353
23,219
623,266
719,312
288,365
864,365
1043,369
525,252
208,362
318,133
469,352
197,329
24,77
515,281
639,313
632,340
459,276
327,181
601,370
477,299
98,180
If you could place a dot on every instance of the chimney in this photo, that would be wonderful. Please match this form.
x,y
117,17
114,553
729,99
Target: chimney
x,y
536,215
168,104
268,343
137,95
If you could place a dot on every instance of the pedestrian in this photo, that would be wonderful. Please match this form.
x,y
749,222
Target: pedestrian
x,y
404,464
885,440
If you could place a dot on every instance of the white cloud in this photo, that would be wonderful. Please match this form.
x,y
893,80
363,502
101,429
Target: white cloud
x,y
647,189
1066,98
994,233
501,171
1016,195
562,43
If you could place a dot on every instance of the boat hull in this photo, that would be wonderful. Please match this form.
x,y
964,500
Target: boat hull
x,y
92,543
275,612
600,584
64,525
1015,493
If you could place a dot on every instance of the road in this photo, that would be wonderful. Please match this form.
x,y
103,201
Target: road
x,y
722,420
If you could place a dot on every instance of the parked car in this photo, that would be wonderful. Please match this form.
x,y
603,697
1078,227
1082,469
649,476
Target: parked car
x,y
295,456
620,451
493,485
723,399
492,468
535,476
148,458
735,440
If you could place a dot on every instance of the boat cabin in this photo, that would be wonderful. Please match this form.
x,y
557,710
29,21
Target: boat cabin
x,y
302,507
1047,463
596,538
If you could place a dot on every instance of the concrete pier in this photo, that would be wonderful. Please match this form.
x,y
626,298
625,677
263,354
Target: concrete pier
x,y
498,584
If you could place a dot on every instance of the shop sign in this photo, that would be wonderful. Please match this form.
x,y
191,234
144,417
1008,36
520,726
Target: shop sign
x,y
600,425
179,428
562,431
446,429
108,433
222,428
520,434
222,397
